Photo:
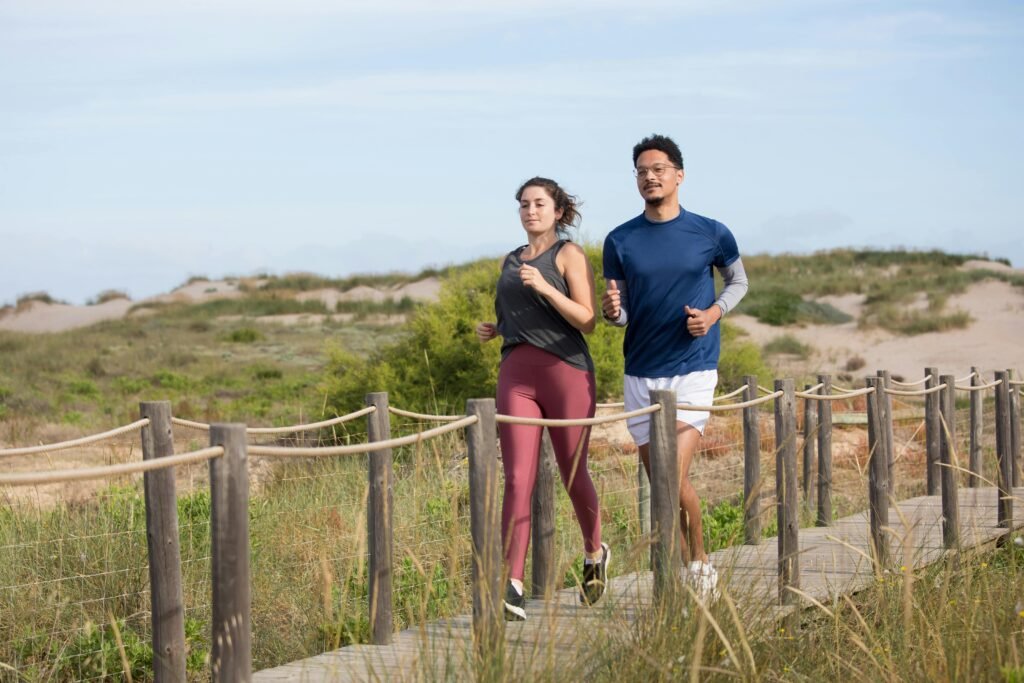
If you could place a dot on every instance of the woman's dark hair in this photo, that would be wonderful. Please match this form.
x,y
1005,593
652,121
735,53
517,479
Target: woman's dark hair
x,y
569,204
660,143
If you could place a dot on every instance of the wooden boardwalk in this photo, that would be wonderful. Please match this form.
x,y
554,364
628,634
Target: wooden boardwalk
x,y
833,560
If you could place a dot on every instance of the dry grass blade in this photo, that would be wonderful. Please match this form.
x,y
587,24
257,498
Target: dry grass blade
x,y
125,666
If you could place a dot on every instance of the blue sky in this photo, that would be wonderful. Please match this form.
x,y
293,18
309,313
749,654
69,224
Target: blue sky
x,y
144,142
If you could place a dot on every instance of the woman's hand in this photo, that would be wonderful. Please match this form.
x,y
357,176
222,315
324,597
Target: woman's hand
x,y
532,278
485,332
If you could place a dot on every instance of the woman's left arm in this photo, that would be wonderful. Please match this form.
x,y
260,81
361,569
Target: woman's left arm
x,y
578,307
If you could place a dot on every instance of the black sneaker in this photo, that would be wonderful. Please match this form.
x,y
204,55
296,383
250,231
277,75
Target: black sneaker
x,y
515,604
595,577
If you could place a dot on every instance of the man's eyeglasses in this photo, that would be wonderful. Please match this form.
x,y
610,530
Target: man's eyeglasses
x,y
659,170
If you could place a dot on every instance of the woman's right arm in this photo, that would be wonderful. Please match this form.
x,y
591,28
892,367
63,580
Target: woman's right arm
x,y
485,332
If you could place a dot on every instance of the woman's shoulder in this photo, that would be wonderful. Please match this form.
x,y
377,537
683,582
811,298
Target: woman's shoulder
x,y
569,250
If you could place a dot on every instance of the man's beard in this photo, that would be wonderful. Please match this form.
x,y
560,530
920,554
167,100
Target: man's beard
x,y
655,201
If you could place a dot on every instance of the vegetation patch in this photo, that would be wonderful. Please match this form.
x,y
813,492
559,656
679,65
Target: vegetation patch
x,y
783,287
105,296
789,345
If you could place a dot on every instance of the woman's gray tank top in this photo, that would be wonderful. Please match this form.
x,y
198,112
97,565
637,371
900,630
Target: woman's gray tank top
x,y
525,317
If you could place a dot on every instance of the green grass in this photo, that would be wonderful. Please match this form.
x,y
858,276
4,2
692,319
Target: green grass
x,y
944,622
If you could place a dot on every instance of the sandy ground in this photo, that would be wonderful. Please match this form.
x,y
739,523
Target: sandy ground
x,y
43,317
39,317
991,342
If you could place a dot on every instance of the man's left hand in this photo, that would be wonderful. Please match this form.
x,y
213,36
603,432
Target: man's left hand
x,y
699,322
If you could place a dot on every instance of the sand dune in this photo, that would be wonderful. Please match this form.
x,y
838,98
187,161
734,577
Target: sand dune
x,y
992,340
38,316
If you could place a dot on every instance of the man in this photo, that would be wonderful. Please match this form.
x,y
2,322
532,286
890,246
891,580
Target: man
x,y
660,286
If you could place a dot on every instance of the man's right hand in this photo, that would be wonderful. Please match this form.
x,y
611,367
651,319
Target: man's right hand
x,y
485,332
610,301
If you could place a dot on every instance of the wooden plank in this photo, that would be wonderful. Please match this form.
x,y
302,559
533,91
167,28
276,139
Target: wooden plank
x,y
834,560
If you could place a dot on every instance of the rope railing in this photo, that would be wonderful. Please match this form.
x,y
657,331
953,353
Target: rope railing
x,y
981,387
909,384
617,404
202,426
603,419
355,449
918,392
423,416
84,474
85,440
834,397
736,392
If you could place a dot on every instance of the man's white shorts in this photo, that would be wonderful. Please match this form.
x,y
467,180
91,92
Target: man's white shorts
x,y
696,388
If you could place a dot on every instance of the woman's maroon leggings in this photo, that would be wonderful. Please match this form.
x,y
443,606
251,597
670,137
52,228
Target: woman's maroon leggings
x,y
535,383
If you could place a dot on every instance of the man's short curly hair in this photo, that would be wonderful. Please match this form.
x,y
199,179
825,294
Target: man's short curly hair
x,y
661,143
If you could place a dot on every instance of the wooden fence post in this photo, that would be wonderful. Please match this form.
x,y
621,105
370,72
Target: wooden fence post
x,y
1004,506
485,527
665,548
888,431
825,453
932,431
751,467
379,530
878,473
231,640
810,441
977,425
164,549
949,476
544,570
1015,453
786,491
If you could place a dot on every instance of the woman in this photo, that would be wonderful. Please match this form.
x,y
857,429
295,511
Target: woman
x,y
544,306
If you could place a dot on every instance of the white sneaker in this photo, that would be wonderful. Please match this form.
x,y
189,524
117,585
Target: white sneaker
x,y
703,578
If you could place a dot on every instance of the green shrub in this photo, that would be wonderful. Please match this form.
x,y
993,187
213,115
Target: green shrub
x,y
263,372
788,344
83,387
244,335
739,357
171,380
131,385
439,363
